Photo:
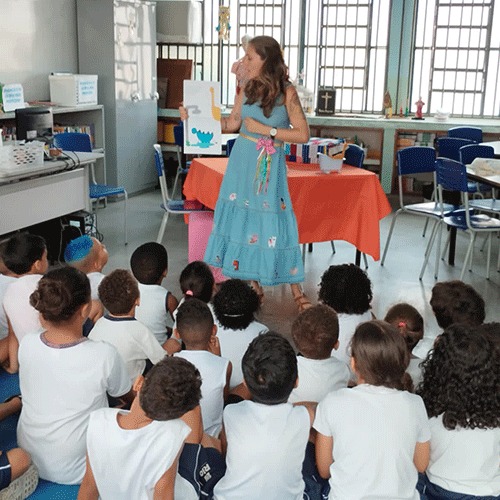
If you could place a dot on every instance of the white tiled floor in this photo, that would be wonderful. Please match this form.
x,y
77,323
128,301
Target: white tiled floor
x,y
396,281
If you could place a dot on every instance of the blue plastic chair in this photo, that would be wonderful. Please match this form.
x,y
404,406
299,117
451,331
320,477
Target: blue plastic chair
x,y
79,142
229,146
474,134
411,161
181,169
169,205
452,176
449,147
354,155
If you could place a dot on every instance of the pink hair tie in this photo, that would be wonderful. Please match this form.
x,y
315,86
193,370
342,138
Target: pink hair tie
x,y
189,292
402,324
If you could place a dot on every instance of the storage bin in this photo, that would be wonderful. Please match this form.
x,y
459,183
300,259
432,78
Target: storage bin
x,y
19,156
73,90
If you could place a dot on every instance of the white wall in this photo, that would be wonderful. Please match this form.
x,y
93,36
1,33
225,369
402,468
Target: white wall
x,y
37,37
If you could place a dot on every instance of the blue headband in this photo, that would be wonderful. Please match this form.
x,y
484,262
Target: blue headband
x,y
78,248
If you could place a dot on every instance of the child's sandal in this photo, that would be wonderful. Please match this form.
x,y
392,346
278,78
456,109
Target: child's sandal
x,y
258,290
302,302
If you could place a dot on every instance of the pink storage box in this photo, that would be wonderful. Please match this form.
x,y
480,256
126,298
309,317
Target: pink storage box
x,y
199,229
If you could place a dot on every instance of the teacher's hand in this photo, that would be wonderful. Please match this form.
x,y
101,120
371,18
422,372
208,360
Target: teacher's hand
x,y
256,127
183,113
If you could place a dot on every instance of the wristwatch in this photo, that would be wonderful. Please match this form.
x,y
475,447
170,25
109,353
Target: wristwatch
x,y
273,133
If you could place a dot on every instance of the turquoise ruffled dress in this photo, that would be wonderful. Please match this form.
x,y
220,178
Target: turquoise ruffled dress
x,y
255,234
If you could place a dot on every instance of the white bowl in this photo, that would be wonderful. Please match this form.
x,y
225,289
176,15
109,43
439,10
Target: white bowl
x,y
328,164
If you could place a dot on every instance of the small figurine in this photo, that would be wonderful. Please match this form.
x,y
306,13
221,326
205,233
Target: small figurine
x,y
388,104
224,27
418,114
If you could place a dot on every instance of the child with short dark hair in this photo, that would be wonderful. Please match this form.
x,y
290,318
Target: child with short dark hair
x,y
195,327
348,290
25,255
149,264
266,437
64,377
235,305
410,325
144,444
119,292
460,390
316,333
373,439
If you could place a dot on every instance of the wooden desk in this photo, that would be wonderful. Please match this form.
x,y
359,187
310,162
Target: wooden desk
x,y
44,192
344,206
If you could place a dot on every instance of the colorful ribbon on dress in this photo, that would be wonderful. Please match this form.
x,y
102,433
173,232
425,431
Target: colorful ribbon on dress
x,y
263,170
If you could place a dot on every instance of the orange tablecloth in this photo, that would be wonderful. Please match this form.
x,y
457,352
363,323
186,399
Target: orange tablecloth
x,y
339,206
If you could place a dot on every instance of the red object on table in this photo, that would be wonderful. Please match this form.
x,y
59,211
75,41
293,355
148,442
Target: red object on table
x,y
339,206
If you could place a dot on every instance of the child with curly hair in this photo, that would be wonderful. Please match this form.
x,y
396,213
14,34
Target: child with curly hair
x,y
373,439
235,305
348,290
460,390
410,325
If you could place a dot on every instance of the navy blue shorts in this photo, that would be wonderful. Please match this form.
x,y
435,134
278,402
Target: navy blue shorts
x,y
202,467
431,491
5,471
316,488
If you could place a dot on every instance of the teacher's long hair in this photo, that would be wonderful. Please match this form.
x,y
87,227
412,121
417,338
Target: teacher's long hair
x,y
273,79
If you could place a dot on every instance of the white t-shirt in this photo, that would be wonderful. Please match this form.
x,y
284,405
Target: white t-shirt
x,y
234,343
61,385
347,326
318,377
266,446
174,314
415,371
95,279
464,460
375,430
4,282
23,317
213,371
152,311
139,457
132,339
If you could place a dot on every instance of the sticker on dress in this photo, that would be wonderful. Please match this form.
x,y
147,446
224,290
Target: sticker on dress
x,y
271,242
265,205
247,203
253,239
283,204
232,196
236,265
294,271
218,259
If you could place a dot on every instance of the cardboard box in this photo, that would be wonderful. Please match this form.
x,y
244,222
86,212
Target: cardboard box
x,y
176,71
73,90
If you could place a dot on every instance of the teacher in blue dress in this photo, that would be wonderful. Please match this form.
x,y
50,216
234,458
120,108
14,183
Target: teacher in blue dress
x,y
255,234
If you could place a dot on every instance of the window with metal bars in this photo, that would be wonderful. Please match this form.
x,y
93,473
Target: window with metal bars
x,y
331,43
457,57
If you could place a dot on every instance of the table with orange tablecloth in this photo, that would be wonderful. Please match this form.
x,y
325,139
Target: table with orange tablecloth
x,y
339,206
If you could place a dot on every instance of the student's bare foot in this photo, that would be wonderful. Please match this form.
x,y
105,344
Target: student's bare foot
x,y
301,300
258,290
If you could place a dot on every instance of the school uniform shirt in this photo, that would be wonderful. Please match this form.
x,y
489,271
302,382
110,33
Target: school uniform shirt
x,y
4,283
95,279
464,460
23,317
134,342
61,385
138,457
213,371
234,343
375,430
347,326
152,311
318,377
266,446
415,371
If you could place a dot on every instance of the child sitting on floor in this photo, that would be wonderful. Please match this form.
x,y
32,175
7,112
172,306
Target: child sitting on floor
x,y
373,439
316,333
149,264
64,377
348,290
25,255
410,325
266,437
235,305
143,444
460,390
119,292
195,327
